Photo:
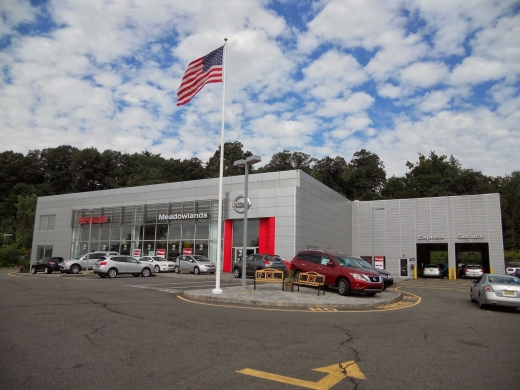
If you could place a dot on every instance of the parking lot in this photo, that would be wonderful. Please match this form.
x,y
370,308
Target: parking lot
x,y
134,333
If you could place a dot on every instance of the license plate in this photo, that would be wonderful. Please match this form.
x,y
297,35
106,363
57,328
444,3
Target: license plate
x,y
509,293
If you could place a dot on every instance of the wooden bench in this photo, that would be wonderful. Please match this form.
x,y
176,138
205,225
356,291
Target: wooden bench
x,y
311,279
269,275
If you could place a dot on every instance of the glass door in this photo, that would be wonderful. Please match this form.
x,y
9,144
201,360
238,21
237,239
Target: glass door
x,y
237,252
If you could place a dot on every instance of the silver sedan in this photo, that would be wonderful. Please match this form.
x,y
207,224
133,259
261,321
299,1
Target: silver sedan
x,y
494,289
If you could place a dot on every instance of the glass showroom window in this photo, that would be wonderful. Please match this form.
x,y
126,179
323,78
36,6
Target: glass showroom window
x,y
47,222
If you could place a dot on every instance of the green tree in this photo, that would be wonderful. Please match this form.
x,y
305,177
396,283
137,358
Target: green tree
x,y
233,151
365,176
287,161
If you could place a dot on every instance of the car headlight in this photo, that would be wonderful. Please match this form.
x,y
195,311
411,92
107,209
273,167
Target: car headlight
x,y
361,277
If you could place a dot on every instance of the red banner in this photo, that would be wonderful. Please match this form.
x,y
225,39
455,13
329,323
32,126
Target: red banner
x,y
187,251
95,219
137,252
161,252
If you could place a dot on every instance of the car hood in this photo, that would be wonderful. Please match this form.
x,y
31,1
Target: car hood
x,y
382,272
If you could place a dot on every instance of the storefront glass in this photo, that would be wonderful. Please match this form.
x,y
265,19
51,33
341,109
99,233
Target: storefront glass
x,y
169,228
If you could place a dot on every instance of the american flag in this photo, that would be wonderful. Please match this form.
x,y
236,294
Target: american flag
x,y
204,70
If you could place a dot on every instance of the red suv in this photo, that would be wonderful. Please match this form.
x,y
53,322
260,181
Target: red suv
x,y
340,271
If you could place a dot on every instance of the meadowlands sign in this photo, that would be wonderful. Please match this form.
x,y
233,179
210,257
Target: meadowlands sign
x,y
181,216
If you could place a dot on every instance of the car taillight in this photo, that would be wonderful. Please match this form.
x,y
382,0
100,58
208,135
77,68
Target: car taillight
x,y
267,262
103,263
489,288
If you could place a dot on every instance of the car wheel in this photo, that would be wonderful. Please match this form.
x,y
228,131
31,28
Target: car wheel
x,y
112,273
33,270
471,296
157,269
343,287
196,270
385,287
102,275
236,273
212,273
46,270
370,294
480,303
296,275
176,269
146,272
75,269
136,275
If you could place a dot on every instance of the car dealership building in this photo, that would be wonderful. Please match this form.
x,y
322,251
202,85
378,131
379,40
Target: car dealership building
x,y
288,211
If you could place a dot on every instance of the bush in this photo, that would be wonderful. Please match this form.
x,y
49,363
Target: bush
x,y
10,256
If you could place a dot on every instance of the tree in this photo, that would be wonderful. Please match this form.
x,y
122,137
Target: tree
x,y
287,161
365,176
331,172
232,152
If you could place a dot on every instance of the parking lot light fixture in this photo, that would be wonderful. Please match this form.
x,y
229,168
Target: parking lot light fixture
x,y
249,160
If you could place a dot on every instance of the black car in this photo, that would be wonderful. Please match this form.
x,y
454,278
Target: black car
x,y
258,261
47,265
387,276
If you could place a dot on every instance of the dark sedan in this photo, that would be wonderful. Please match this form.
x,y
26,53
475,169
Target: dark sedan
x,y
387,276
47,265
258,261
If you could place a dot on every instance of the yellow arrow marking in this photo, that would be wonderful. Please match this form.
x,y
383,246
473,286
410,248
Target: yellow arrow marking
x,y
336,373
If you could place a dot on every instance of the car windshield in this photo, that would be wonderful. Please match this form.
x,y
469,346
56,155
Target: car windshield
x,y
504,280
200,258
363,263
348,262
158,258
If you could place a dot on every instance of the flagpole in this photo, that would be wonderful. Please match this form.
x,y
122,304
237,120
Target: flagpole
x,y
217,289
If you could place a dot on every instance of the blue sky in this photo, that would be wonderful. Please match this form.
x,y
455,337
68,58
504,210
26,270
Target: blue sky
x,y
328,78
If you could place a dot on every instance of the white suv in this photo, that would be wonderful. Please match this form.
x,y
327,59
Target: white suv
x,y
512,267
82,262
112,266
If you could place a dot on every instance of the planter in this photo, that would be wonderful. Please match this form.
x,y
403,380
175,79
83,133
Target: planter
x,y
289,286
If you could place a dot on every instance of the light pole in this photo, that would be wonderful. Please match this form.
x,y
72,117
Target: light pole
x,y
250,160
89,232
373,258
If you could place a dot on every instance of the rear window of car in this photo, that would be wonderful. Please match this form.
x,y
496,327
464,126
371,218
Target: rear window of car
x,y
503,280
431,266
474,267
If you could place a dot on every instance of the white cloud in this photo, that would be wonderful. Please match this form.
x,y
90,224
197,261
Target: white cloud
x,y
475,70
424,74
353,103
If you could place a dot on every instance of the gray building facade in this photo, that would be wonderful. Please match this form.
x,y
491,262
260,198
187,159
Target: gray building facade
x,y
289,211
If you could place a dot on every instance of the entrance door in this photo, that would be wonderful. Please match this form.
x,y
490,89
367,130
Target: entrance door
x,y
237,252
404,266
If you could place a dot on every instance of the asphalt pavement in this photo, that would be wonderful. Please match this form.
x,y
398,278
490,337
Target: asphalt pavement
x,y
265,294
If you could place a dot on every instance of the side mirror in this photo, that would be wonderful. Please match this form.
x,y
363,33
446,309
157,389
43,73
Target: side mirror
x,y
330,264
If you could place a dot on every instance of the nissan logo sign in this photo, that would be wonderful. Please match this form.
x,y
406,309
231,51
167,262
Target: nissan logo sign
x,y
238,204
470,236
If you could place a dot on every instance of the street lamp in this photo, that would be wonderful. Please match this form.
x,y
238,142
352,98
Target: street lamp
x,y
89,232
373,258
250,160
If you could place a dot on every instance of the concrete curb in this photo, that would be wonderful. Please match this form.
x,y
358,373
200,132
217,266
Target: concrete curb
x,y
302,299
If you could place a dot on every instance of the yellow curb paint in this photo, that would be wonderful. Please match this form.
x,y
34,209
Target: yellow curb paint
x,y
336,373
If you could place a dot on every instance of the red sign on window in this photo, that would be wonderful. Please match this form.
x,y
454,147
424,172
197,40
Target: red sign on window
x,y
187,251
137,252
161,252
95,219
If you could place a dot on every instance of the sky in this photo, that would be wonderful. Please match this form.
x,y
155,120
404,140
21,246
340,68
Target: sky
x,y
327,78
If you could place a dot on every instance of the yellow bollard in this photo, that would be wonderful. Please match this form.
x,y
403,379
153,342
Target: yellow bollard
x,y
490,270
415,272
454,273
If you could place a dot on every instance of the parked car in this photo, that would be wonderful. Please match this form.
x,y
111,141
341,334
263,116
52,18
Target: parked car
x,y
82,262
258,261
517,273
471,271
388,279
433,271
113,265
340,270
47,265
494,289
512,267
195,263
160,264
